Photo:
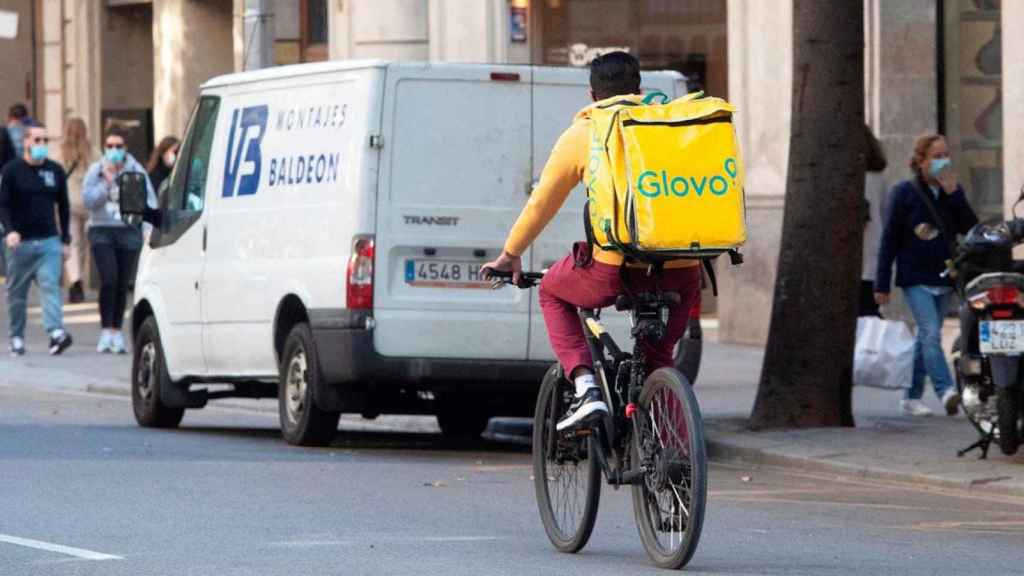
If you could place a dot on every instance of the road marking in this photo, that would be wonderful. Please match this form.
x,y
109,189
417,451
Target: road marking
x,y
353,541
68,550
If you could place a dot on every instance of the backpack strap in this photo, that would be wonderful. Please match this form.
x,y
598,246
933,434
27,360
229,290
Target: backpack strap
x,y
650,98
710,270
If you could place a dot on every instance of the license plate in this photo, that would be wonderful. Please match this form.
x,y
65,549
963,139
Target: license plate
x,y
1001,336
444,274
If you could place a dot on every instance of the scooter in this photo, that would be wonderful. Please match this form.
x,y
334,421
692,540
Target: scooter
x,y
988,355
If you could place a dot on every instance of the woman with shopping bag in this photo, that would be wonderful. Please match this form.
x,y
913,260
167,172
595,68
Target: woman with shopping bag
x,y
924,215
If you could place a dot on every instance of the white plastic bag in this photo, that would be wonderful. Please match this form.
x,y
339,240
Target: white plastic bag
x,y
884,355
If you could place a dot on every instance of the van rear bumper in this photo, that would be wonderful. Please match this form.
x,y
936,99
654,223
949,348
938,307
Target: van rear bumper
x,y
348,355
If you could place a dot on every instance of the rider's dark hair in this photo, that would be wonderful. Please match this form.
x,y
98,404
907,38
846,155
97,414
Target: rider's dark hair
x,y
614,74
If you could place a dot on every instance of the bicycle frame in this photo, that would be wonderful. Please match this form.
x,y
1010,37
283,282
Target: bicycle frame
x,y
614,431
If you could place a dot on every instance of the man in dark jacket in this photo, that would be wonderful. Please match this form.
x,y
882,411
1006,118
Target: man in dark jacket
x,y
32,190
924,217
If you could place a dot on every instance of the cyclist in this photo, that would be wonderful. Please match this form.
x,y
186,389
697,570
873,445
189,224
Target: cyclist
x,y
589,278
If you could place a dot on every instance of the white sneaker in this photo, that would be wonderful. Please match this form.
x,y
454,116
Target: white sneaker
x,y
914,408
117,343
106,344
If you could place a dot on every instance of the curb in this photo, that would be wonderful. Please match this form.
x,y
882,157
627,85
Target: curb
x,y
723,450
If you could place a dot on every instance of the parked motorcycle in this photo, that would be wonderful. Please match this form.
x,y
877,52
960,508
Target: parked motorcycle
x,y
988,355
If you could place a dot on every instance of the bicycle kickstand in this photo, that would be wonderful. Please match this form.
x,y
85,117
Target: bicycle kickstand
x,y
982,444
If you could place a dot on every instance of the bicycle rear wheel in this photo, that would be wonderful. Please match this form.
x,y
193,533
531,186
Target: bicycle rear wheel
x,y
566,477
669,440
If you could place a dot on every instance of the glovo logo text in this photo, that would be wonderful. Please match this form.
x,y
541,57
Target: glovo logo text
x,y
653,184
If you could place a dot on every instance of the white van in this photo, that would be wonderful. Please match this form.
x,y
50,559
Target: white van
x,y
322,237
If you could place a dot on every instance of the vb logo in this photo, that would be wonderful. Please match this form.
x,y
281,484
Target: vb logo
x,y
243,160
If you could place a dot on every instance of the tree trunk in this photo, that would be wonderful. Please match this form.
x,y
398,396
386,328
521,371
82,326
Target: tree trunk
x,y
807,374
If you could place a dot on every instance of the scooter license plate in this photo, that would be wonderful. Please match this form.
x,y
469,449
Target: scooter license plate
x,y
1001,337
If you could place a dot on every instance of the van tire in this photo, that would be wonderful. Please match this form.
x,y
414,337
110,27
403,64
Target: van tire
x,y
149,377
460,419
302,422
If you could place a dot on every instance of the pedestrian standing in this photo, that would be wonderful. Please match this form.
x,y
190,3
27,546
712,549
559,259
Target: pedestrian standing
x,y
162,160
77,154
924,215
32,190
115,245
874,198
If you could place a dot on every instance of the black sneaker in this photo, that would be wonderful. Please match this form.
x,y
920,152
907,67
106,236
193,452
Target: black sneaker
x,y
17,347
76,295
60,343
586,408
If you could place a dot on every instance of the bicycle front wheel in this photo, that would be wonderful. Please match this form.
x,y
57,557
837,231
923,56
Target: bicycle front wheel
x,y
566,477
668,441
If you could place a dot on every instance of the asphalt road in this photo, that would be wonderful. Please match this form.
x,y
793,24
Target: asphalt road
x,y
225,495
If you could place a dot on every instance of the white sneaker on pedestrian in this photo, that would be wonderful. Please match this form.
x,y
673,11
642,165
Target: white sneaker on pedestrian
x,y
17,346
106,343
117,343
951,401
914,408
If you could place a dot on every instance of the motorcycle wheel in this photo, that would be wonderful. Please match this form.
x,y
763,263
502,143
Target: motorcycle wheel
x,y
1008,407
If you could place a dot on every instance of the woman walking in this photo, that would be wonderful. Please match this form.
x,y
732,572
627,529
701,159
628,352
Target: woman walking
x,y
76,155
925,214
115,245
161,161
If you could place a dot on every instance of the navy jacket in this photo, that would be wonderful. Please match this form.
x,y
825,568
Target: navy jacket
x,y
919,261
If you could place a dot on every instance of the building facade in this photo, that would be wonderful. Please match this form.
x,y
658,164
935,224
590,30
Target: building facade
x,y
931,65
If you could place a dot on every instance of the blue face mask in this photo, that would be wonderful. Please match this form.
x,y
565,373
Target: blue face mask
x,y
39,152
938,165
115,155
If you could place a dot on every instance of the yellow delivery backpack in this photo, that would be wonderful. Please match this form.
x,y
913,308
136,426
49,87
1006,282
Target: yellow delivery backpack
x,y
665,181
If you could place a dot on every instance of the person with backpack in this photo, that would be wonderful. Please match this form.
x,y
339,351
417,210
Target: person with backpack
x,y
589,277
924,215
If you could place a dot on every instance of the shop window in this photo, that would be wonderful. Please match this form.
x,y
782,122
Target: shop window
x,y
971,97
684,35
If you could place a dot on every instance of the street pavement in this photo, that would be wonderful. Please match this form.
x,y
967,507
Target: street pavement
x,y
225,495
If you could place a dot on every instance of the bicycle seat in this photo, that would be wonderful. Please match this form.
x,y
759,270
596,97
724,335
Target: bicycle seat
x,y
624,302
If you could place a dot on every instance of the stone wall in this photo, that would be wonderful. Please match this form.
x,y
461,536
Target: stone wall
x,y
16,64
192,42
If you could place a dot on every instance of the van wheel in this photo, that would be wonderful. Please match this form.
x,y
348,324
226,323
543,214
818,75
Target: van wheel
x,y
302,423
460,419
149,376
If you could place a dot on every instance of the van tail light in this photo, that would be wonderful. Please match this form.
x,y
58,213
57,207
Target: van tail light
x,y
997,296
359,279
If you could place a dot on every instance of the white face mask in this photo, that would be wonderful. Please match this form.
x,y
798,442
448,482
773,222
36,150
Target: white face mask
x,y
170,158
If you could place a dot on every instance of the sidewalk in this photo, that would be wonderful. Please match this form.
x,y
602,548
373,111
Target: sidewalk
x,y
884,445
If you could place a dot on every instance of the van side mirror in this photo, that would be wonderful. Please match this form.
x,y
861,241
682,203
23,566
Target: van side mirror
x,y
132,194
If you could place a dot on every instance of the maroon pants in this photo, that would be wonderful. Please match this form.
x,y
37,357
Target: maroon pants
x,y
567,287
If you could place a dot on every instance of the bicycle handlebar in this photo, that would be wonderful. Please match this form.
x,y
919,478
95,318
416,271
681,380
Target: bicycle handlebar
x,y
501,278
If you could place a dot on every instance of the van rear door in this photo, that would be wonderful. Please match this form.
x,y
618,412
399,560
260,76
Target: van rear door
x,y
455,172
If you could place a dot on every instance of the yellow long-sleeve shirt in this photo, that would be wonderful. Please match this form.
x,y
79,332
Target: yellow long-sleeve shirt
x,y
563,171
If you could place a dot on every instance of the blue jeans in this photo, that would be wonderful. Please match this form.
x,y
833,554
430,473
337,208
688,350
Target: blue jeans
x,y
928,311
42,261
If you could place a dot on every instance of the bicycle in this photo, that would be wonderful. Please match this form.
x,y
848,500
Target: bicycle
x,y
651,440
